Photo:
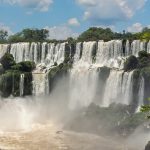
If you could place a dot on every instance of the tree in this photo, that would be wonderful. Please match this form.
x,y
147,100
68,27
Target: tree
x,y
3,35
131,63
30,35
7,61
25,66
146,109
94,34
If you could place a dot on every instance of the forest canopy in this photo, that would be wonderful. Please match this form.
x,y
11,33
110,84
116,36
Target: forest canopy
x,y
92,34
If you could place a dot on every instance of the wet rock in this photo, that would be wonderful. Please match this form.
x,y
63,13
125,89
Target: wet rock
x,y
147,146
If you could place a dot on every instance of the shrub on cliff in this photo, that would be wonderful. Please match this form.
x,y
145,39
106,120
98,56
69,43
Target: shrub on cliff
x,y
9,83
131,63
7,61
1,69
144,59
25,66
142,54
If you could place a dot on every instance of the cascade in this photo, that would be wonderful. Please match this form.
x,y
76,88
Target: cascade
x,y
137,46
40,84
44,53
21,84
20,51
82,78
59,53
112,88
49,60
148,47
118,88
141,93
3,49
127,87
84,74
88,48
127,48
82,87
109,53
78,52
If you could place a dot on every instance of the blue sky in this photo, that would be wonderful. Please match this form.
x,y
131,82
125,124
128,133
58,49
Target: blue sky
x,y
64,18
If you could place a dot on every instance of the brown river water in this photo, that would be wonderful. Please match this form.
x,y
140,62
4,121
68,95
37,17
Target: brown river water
x,y
48,137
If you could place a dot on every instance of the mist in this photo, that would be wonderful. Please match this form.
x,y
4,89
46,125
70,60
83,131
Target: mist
x,y
24,114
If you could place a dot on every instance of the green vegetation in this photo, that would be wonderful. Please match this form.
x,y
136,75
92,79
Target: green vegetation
x,y
9,83
10,76
7,61
143,61
131,63
3,36
92,34
25,66
29,35
146,109
95,34
144,35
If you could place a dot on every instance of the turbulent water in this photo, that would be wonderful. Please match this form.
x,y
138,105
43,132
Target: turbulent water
x,y
49,137
88,82
31,124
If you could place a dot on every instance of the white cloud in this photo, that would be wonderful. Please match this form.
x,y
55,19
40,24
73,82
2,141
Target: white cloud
x,y
41,5
73,22
5,28
61,32
137,27
110,11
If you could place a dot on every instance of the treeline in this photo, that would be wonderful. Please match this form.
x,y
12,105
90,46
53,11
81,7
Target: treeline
x,y
26,35
95,33
92,34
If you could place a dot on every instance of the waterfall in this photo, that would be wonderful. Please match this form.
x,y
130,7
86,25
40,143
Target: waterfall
x,y
40,84
127,48
49,60
88,48
78,52
20,51
127,87
82,77
118,88
43,54
82,87
148,47
21,84
137,46
3,49
113,86
141,93
89,57
109,53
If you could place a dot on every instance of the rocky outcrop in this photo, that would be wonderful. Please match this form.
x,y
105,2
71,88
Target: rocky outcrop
x,y
147,146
